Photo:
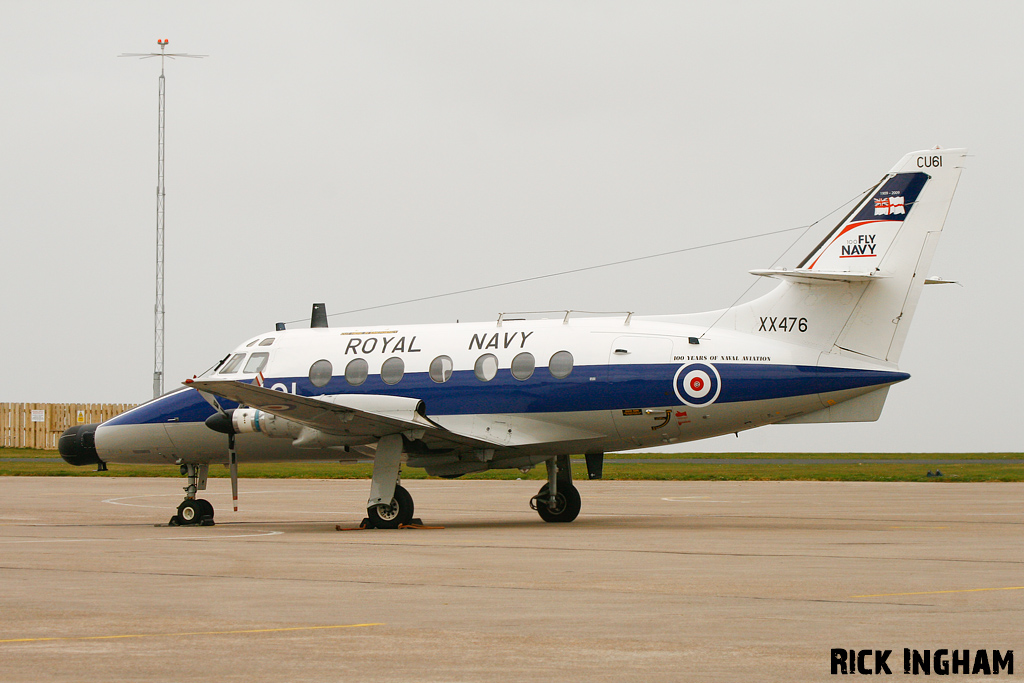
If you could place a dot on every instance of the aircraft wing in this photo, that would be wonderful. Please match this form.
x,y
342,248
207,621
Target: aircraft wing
x,y
352,415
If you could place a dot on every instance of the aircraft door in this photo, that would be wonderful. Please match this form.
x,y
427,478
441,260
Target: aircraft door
x,y
634,361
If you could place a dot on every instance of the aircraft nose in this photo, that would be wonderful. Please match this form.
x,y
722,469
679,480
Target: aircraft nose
x,y
77,445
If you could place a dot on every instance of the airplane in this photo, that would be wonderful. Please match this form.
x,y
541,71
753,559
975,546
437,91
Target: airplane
x,y
821,347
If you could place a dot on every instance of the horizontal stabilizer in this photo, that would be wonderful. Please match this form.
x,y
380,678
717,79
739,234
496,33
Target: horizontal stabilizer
x,y
808,276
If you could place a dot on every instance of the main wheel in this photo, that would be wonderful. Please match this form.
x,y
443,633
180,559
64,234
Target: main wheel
x,y
394,515
567,504
190,512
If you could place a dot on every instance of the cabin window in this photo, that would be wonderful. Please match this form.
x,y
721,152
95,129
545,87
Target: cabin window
x,y
392,371
232,365
267,342
257,362
356,371
522,366
320,372
486,367
560,365
441,369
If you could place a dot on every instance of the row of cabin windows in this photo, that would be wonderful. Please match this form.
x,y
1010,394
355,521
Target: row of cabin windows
x,y
441,368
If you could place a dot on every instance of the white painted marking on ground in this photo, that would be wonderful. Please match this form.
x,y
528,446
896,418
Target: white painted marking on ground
x,y
164,538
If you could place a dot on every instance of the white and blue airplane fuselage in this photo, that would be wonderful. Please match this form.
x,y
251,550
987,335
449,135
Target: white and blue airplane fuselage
x,y
457,398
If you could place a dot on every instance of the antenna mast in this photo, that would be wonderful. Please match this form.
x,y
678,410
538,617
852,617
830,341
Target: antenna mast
x,y
158,309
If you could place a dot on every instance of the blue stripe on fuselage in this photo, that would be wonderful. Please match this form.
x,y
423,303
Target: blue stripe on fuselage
x,y
596,387
186,406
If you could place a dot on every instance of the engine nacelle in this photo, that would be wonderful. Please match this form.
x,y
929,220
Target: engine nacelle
x,y
398,407
256,421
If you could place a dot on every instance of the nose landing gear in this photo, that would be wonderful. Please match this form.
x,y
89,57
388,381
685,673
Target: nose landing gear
x,y
194,511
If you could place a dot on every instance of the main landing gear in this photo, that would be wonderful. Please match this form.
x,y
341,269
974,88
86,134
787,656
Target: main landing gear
x,y
194,511
558,500
390,505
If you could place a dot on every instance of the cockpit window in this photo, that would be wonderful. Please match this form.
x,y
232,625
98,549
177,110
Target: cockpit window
x,y
213,368
267,342
232,365
257,362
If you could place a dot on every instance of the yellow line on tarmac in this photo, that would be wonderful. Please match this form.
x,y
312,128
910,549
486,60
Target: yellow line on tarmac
x,y
965,590
190,633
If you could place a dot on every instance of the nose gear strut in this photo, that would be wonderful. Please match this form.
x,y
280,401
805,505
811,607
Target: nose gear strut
x,y
194,511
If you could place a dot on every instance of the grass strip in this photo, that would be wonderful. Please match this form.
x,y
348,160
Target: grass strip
x,y
745,467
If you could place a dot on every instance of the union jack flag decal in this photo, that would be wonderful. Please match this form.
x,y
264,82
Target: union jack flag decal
x,y
893,200
258,380
889,206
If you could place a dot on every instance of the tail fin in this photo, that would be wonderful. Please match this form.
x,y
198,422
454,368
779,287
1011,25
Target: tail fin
x,y
856,292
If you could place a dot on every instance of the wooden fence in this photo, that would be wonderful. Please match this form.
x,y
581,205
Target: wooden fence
x,y
39,425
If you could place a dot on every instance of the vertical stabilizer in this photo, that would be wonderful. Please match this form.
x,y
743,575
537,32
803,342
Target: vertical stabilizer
x,y
857,290
922,187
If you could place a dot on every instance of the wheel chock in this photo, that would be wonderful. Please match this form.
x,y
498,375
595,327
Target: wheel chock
x,y
414,523
206,520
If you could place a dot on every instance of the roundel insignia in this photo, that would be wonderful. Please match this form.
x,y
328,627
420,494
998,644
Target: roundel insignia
x,y
697,384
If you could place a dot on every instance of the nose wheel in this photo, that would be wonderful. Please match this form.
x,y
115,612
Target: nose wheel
x,y
194,511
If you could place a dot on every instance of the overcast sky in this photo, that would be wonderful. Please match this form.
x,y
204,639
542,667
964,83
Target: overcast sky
x,y
370,152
